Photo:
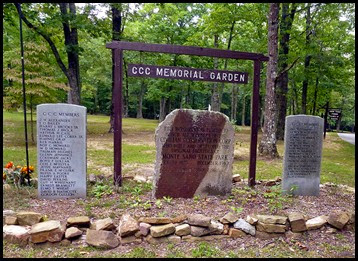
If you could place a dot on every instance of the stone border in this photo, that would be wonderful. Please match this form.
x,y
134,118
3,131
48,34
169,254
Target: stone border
x,y
30,228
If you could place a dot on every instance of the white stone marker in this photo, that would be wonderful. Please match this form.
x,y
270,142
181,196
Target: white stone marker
x,y
61,151
303,153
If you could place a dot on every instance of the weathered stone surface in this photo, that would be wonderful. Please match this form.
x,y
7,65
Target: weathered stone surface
x,y
11,220
236,178
216,228
251,219
101,238
270,219
190,238
127,226
201,143
235,233
92,179
338,219
6,187
52,231
155,220
16,234
179,219
28,218
226,229
103,224
69,122
80,221
72,232
331,230
270,183
158,240
199,231
144,228
303,153
270,228
352,217
317,222
8,212
199,220
297,222
182,230
265,235
163,230
130,239
245,226
229,218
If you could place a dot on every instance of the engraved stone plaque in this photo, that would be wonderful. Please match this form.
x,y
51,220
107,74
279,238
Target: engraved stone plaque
x,y
302,155
194,154
61,151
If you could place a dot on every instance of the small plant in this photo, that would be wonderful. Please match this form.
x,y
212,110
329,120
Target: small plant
x,y
167,199
196,198
162,214
147,205
237,210
204,249
137,190
275,199
100,190
158,203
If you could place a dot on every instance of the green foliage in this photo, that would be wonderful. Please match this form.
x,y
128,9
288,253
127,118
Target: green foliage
x,y
204,249
100,190
275,199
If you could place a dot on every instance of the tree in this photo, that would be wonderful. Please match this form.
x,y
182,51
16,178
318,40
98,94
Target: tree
x,y
71,45
287,18
267,145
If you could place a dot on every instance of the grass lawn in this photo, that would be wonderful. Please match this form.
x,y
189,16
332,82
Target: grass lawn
x,y
338,158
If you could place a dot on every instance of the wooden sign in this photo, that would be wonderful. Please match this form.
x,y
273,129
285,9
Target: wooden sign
x,y
186,73
334,114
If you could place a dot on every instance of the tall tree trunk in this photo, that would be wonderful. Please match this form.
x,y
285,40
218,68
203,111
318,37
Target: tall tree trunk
x,y
116,35
72,73
162,105
126,91
282,80
71,42
307,60
215,96
315,97
243,110
267,145
234,94
140,100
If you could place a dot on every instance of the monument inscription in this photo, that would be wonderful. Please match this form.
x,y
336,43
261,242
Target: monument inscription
x,y
303,153
61,151
194,154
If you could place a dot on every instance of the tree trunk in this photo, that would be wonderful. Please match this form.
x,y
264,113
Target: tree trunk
x,y
267,145
315,97
215,97
307,60
140,101
71,42
234,94
243,110
126,92
282,80
162,104
72,73
116,34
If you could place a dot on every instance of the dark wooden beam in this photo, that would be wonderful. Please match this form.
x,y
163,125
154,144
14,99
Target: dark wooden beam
x,y
188,50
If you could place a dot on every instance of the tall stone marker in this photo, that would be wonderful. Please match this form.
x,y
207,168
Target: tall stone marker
x,y
303,153
61,151
195,151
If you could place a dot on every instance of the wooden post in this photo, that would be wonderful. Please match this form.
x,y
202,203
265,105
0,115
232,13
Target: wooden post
x,y
117,135
254,123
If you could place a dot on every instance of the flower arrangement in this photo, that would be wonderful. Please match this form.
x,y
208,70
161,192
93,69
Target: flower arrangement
x,y
16,174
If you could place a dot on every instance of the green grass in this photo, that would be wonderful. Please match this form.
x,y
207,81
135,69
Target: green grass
x,y
338,157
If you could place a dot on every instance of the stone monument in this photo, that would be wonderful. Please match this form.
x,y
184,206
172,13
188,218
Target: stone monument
x,y
302,156
61,151
194,154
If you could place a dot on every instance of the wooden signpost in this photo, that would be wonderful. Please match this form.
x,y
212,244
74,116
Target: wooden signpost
x,y
141,70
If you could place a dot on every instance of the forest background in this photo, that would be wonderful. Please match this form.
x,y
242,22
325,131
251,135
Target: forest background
x,y
66,59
